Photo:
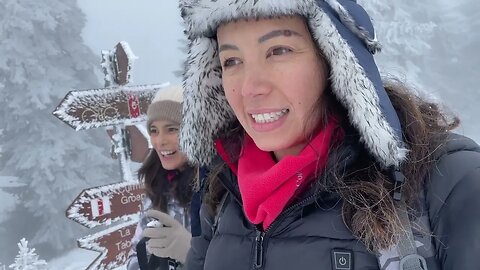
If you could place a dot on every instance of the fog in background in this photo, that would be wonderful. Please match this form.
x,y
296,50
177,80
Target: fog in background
x,y
153,29
50,47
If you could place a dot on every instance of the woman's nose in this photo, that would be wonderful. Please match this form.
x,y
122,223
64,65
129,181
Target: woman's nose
x,y
157,140
255,82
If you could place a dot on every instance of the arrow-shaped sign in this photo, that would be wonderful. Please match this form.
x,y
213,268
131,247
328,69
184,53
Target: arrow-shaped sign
x,y
138,143
85,109
106,204
113,243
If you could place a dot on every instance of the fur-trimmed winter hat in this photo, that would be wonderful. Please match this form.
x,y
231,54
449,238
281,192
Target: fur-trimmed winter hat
x,y
167,104
344,33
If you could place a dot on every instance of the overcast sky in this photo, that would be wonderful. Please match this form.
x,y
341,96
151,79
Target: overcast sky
x,y
151,28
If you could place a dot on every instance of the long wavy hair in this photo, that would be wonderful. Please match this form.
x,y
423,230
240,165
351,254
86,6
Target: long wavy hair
x,y
365,189
159,189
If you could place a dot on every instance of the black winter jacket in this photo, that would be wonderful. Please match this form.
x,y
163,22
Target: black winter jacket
x,y
312,235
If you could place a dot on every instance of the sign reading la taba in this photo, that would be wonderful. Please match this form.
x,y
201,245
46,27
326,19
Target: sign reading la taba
x,y
106,204
114,244
93,108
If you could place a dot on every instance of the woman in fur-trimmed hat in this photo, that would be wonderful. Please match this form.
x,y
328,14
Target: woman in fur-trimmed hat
x,y
318,163
168,179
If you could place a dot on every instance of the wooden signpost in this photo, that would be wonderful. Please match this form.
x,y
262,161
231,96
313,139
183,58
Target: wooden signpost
x,y
114,244
93,108
118,108
139,147
106,204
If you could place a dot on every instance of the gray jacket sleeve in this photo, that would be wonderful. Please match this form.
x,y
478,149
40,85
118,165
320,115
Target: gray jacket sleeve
x,y
453,195
199,244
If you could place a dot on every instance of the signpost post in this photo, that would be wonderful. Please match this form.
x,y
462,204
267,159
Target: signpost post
x,y
117,107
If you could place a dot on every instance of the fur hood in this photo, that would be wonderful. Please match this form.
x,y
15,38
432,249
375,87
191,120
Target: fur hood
x,y
343,32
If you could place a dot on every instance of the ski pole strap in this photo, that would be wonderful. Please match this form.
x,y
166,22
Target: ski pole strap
x,y
407,249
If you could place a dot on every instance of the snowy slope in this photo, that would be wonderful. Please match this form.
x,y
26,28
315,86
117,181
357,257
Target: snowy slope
x,y
77,259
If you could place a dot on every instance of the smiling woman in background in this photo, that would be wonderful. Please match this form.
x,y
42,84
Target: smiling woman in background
x,y
168,179
318,163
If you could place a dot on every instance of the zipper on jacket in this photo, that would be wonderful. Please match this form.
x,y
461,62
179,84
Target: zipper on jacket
x,y
262,236
259,249
287,211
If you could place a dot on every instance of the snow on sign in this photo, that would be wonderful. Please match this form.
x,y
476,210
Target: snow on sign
x,y
106,204
93,108
114,244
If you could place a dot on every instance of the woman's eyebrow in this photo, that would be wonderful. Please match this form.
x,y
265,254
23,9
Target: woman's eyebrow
x,y
270,35
277,33
224,47
170,125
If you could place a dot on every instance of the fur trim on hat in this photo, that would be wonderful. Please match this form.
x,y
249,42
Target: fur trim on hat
x,y
343,32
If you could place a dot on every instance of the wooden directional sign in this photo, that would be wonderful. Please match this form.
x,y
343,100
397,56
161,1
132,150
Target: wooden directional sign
x,y
106,204
85,109
138,143
122,63
113,244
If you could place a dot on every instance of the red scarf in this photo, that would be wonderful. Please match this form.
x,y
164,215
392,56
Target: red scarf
x,y
171,175
266,186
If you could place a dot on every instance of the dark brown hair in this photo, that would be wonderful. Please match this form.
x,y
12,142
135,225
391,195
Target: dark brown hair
x,y
157,186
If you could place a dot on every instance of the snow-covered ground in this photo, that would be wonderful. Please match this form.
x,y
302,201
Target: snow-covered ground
x,y
77,259
7,200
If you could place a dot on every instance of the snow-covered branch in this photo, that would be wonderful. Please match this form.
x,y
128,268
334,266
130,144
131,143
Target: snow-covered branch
x,y
27,259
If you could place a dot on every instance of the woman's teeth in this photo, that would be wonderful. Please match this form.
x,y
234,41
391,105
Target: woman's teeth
x,y
263,118
167,153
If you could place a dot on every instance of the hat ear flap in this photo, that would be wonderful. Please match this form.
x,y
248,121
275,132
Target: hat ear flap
x,y
372,43
203,93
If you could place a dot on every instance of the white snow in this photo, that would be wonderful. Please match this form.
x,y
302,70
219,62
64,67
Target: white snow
x,y
107,66
10,181
7,200
76,259
27,259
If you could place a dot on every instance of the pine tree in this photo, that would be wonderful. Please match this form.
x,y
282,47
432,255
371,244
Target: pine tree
x,y
42,56
27,259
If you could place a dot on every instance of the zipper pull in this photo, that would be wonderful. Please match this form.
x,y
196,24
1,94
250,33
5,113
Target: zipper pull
x,y
259,249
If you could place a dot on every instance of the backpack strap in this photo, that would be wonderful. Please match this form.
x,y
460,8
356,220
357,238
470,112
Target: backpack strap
x,y
220,209
406,247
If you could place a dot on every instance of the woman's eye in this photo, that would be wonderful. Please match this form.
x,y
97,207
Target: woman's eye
x,y
230,62
153,131
172,130
279,51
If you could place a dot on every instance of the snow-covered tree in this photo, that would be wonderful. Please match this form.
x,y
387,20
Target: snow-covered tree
x,y
27,259
42,57
433,45
454,65
405,37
